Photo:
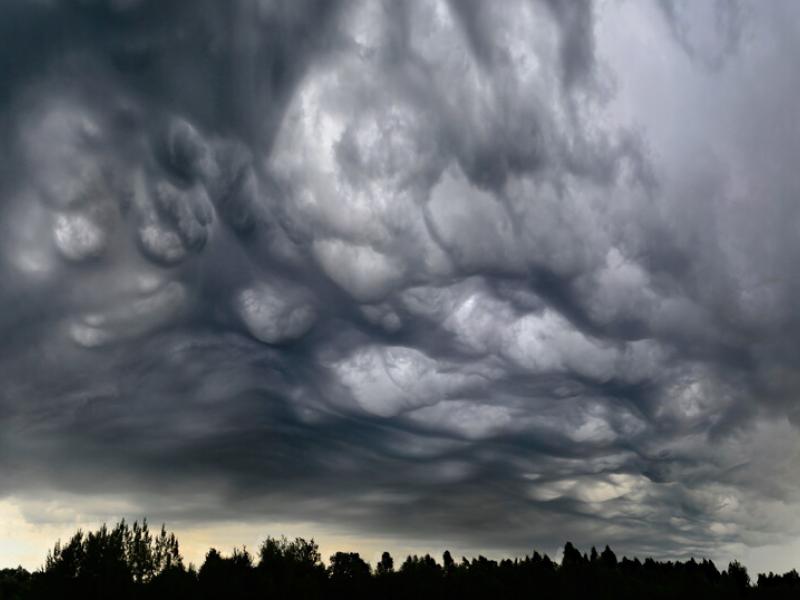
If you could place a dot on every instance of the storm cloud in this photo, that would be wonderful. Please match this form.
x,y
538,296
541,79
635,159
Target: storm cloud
x,y
498,274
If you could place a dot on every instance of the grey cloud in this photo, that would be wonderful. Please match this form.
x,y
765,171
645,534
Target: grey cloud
x,y
709,34
402,267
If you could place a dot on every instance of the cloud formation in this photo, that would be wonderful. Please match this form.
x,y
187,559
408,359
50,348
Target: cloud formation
x,y
494,272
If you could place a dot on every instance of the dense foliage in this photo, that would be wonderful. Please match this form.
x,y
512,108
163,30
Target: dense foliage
x,y
128,562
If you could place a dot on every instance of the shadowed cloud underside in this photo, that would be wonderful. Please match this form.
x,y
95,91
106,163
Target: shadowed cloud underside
x,y
502,273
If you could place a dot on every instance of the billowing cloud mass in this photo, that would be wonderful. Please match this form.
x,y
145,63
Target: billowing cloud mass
x,y
500,274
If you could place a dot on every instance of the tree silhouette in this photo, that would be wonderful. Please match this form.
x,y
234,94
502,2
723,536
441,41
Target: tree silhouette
x,y
572,558
227,577
608,559
386,566
107,562
447,561
291,568
739,580
349,575
130,563
15,584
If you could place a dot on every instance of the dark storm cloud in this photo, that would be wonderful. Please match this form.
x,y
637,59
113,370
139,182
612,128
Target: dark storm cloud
x,y
398,266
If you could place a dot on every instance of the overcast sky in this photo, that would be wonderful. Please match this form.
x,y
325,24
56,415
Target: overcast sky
x,y
480,275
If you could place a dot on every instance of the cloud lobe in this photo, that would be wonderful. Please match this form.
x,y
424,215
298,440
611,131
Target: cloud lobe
x,y
396,266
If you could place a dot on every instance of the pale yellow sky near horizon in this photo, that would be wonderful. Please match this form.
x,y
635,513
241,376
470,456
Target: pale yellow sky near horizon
x,y
642,388
25,543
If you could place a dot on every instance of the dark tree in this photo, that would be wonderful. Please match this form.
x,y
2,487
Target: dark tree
x,y
116,562
608,559
572,558
291,568
227,577
349,575
447,561
386,565
129,563
15,584
739,579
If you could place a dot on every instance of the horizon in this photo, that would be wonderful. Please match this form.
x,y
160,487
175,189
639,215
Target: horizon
x,y
130,560
404,276
224,537
196,555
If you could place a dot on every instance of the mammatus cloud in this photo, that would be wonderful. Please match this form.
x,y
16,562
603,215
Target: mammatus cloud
x,y
492,271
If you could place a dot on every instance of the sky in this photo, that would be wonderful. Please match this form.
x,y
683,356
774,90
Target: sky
x,y
486,276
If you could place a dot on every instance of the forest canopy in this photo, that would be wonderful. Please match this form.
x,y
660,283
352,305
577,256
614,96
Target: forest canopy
x,y
132,562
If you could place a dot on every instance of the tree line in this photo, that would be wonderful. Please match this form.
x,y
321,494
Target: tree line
x,y
129,562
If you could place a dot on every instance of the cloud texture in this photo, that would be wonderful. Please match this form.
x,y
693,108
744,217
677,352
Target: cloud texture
x,y
502,273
